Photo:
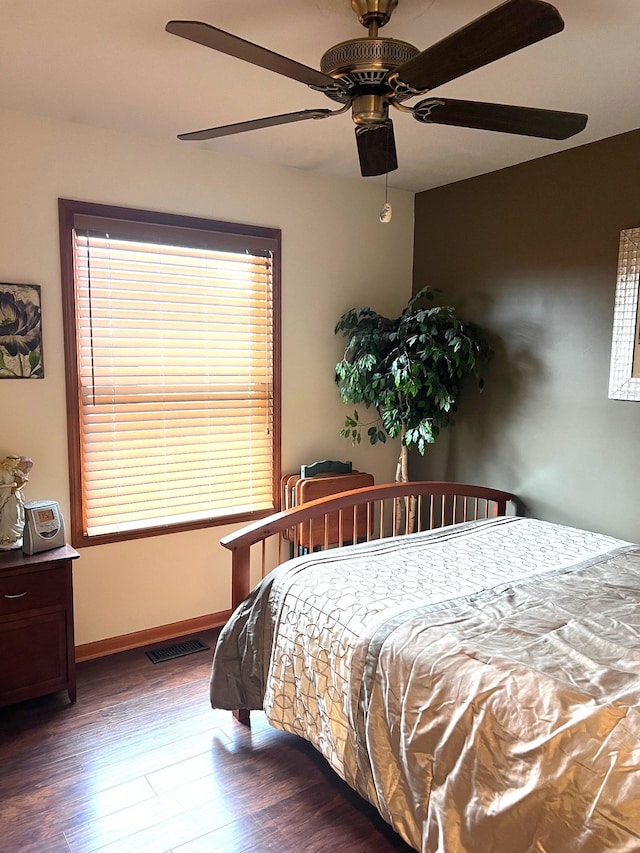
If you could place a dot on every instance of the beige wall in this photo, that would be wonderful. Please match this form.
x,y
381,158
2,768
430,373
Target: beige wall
x,y
531,253
336,254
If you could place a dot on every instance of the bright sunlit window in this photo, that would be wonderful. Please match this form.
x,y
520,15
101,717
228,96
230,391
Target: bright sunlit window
x,y
172,342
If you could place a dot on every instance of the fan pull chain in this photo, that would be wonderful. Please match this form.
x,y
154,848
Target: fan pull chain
x,y
385,211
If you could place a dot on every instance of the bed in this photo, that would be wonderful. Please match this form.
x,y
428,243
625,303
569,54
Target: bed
x,y
474,675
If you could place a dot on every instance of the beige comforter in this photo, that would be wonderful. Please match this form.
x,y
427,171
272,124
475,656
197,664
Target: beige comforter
x,y
479,685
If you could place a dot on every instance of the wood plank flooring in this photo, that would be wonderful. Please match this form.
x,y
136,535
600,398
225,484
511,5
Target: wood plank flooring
x,y
142,764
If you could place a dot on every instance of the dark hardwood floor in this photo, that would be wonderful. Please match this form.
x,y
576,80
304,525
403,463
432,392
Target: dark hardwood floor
x,y
142,764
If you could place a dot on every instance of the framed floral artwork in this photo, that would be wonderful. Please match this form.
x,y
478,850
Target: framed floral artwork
x,y
20,332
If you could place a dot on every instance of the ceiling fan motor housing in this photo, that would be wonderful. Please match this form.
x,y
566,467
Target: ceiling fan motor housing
x,y
364,64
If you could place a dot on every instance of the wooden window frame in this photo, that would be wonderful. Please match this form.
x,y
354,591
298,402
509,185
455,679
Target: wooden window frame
x,y
230,235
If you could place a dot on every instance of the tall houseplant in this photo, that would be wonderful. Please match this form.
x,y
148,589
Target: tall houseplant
x,y
410,371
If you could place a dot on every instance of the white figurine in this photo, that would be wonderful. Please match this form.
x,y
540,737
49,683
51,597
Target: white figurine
x,y
14,473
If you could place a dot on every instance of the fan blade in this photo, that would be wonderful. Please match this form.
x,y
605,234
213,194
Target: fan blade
x,y
549,124
232,45
376,149
504,30
256,124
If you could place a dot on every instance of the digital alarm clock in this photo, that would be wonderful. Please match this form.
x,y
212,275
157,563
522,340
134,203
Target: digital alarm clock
x,y
43,527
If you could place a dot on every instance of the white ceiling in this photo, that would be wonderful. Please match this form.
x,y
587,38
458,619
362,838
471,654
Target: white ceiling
x,y
110,64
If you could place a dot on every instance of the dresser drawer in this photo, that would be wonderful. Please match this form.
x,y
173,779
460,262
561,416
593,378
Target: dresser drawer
x,y
35,590
37,653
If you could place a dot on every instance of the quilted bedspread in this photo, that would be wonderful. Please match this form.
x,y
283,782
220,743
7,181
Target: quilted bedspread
x,y
479,684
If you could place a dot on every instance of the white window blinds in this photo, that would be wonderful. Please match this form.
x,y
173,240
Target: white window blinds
x,y
175,355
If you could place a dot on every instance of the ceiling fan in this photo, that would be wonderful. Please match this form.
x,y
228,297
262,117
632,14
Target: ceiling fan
x,y
368,75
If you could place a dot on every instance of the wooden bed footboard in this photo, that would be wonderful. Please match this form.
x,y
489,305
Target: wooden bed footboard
x,y
380,511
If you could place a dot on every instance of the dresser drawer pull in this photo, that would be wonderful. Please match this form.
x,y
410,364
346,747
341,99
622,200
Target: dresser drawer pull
x,y
18,595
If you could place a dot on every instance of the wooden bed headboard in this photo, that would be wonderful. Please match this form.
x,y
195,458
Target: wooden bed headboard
x,y
378,511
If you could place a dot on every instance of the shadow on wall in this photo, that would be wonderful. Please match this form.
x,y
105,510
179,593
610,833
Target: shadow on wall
x,y
486,438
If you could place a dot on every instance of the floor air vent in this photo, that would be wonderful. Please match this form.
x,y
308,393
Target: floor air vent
x,y
176,651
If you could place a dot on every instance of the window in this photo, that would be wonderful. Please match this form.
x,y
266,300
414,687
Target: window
x,y
172,361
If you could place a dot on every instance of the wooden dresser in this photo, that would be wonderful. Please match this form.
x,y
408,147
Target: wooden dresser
x,y
37,654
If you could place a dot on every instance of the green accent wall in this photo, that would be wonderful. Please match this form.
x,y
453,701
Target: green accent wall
x,y
530,252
